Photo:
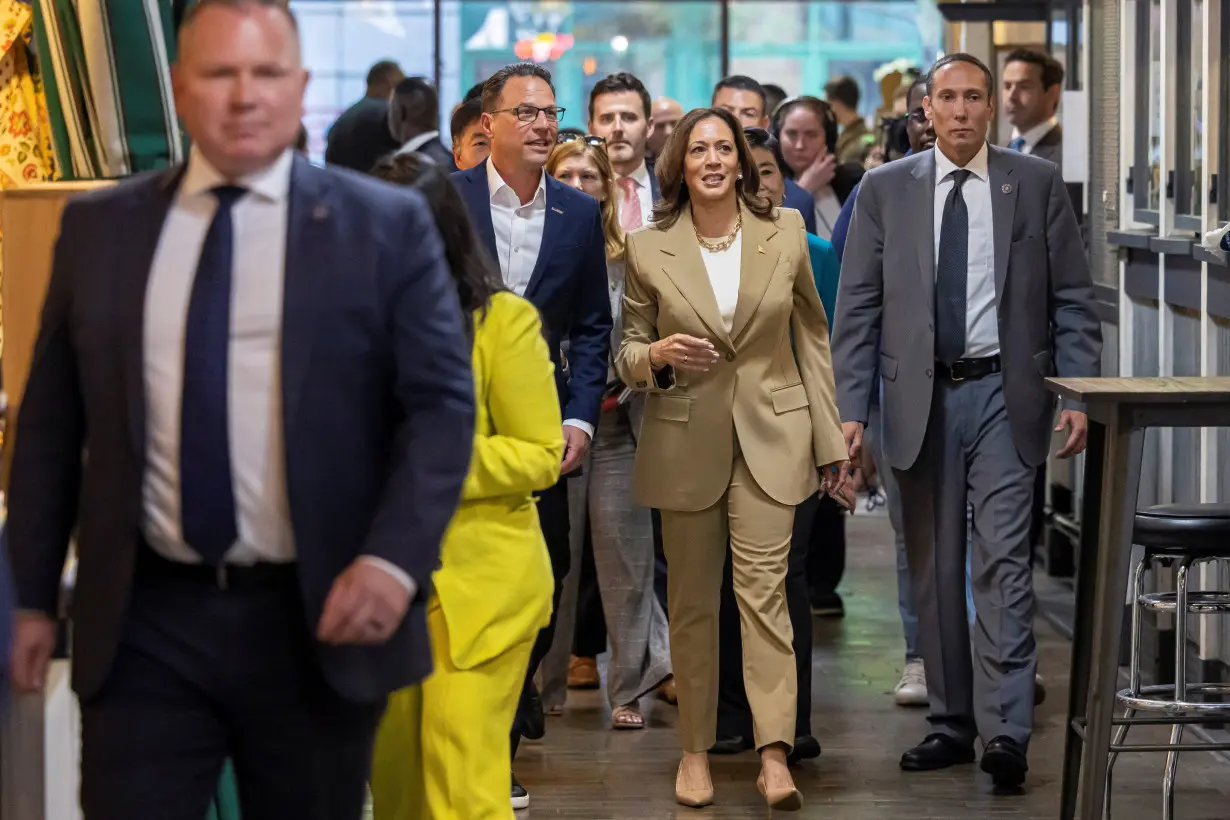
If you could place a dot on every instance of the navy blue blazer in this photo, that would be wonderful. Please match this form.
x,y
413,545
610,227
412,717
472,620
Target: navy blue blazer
x,y
568,286
803,202
377,409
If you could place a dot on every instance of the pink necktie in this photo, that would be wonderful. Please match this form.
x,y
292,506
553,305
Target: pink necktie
x,y
630,213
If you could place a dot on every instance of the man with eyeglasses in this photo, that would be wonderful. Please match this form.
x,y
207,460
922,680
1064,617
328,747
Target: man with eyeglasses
x,y
547,238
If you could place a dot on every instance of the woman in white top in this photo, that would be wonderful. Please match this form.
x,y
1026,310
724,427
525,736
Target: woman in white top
x,y
724,329
621,529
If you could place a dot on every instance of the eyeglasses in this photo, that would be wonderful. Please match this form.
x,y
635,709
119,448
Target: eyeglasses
x,y
529,113
589,139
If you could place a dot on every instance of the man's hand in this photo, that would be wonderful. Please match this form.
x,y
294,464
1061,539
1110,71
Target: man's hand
x,y
365,606
853,433
33,642
1077,425
576,445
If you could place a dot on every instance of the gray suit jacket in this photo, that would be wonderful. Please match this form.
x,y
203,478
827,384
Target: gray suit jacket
x,y
1050,147
886,299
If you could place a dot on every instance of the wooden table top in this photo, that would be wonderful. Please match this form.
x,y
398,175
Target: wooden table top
x,y
1145,391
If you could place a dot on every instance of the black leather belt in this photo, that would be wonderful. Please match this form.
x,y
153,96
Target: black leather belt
x,y
965,369
228,576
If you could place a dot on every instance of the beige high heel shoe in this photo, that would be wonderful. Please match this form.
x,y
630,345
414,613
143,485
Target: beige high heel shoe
x,y
782,795
690,793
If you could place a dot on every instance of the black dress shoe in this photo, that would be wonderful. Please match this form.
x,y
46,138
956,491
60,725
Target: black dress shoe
x,y
533,721
937,752
806,747
1004,760
733,745
520,797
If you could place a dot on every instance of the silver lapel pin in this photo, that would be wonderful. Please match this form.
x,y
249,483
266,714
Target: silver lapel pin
x,y
1007,189
558,211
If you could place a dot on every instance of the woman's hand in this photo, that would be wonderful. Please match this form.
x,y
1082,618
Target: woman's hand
x,y
820,174
683,352
835,482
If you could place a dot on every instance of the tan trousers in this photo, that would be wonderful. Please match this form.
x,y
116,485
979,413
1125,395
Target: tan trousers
x,y
759,531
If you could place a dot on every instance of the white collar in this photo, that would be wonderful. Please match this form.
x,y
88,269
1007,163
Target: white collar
x,y
640,176
1034,135
415,143
496,183
271,182
976,166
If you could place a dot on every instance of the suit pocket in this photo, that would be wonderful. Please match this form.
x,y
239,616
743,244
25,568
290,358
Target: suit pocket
x,y
1045,362
888,368
669,408
789,398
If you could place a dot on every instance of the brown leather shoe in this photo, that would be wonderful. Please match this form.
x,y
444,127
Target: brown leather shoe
x,y
583,673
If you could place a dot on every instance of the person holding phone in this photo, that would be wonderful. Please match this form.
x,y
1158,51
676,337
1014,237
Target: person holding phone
x,y
715,290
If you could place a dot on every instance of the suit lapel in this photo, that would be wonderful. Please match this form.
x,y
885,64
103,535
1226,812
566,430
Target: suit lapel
x,y
922,203
1003,212
759,261
553,224
308,263
475,191
683,265
149,212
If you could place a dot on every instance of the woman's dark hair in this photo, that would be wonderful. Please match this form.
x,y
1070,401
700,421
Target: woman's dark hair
x,y
475,274
760,138
672,178
822,110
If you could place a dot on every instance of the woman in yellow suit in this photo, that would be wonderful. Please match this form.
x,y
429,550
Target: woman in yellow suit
x,y
442,753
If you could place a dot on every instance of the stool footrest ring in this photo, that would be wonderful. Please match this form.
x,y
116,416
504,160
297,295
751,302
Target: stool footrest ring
x,y
1141,701
1198,603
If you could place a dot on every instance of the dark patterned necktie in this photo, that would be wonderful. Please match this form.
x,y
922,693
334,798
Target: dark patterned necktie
x,y
951,274
207,495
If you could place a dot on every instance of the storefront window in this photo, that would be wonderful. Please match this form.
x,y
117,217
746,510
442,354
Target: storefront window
x,y
1153,182
1223,165
1196,137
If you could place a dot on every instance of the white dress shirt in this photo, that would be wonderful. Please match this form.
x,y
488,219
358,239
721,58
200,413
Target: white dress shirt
x,y
258,462
518,239
724,269
1034,135
644,194
981,323
415,143
828,209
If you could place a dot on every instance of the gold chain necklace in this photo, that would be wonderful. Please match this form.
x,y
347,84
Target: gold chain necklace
x,y
725,242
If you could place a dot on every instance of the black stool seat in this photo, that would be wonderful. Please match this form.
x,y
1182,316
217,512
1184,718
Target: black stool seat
x,y
1189,529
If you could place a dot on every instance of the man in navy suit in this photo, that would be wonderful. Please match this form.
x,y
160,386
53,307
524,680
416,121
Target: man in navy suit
x,y
547,238
265,367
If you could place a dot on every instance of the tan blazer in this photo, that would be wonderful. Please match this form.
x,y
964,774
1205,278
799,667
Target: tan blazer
x,y
779,401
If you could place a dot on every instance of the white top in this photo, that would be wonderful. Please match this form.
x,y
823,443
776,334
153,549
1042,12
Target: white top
x,y
258,463
981,326
518,239
724,270
828,208
644,193
615,289
1034,135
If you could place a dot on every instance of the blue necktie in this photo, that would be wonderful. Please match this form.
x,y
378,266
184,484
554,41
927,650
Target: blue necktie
x,y
1225,242
207,497
1017,144
952,274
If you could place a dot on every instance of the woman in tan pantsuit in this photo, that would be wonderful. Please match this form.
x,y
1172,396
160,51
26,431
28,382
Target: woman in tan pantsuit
x,y
724,329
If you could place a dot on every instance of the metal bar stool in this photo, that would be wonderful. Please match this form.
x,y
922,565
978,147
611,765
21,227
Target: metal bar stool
x,y
1185,535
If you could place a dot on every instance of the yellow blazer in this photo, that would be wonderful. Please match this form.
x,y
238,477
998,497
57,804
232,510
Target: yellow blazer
x,y
494,583
779,401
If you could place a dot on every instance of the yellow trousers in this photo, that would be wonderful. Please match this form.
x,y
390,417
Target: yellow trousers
x,y
442,748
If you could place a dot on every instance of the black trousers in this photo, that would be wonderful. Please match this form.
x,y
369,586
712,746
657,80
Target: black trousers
x,y
589,634
826,555
734,717
659,561
203,675
553,517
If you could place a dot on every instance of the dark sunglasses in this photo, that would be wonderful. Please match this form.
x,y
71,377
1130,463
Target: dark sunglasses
x,y
589,139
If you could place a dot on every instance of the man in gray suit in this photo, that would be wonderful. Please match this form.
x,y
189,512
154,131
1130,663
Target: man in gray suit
x,y
1033,83
982,293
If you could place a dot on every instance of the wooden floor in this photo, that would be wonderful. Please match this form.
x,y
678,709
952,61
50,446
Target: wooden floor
x,y
584,770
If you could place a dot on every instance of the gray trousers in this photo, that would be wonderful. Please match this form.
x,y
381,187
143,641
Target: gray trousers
x,y
968,457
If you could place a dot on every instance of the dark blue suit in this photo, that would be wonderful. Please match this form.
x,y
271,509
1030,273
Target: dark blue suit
x,y
801,201
569,288
377,421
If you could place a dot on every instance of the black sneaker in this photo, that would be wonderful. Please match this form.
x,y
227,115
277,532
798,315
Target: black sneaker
x,y
827,605
520,797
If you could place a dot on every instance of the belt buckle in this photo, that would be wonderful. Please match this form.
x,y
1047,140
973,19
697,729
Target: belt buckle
x,y
954,369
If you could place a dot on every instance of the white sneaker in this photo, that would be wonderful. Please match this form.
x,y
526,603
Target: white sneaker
x,y
912,690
